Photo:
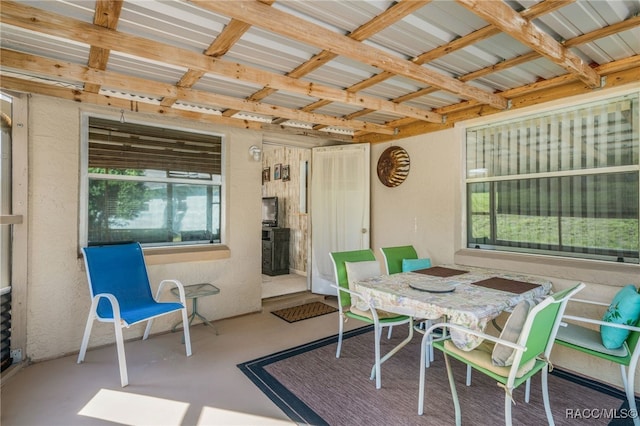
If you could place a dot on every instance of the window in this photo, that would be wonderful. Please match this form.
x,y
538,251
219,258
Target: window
x,y
153,185
564,183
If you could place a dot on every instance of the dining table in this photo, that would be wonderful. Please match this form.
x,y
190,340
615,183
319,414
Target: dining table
x,y
469,296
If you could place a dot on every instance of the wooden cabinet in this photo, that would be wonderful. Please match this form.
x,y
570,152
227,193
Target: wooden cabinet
x,y
275,251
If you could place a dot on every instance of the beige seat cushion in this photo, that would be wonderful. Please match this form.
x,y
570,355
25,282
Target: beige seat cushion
x,y
587,338
381,314
481,356
502,355
357,271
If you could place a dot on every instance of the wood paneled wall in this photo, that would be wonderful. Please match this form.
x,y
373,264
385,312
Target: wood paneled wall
x,y
288,193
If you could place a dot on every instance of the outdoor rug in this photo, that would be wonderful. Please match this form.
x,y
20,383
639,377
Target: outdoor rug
x,y
303,312
313,387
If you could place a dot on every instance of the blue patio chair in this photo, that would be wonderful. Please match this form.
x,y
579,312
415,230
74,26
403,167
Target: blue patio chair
x,y
121,294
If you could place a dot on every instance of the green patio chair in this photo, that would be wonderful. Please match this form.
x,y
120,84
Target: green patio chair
x,y
589,341
393,257
510,361
352,305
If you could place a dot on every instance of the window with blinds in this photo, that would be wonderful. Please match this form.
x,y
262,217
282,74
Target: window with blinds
x,y
564,183
153,185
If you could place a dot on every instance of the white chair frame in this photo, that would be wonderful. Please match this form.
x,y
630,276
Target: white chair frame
x,y
628,374
119,323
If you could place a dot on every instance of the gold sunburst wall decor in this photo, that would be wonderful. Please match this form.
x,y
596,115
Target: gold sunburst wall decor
x,y
393,166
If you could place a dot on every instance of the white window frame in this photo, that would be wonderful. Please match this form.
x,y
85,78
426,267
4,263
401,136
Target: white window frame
x,y
523,114
84,180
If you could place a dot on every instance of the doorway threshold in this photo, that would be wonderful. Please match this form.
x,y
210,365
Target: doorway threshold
x,y
280,285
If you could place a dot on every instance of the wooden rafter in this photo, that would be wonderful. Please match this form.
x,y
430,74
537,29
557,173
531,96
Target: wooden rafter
x,y
231,33
131,84
41,73
502,16
539,9
106,15
20,85
584,38
618,27
263,16
393,14
618,73
61,26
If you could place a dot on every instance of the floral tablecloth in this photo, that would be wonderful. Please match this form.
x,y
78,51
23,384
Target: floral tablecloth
x,y
469,305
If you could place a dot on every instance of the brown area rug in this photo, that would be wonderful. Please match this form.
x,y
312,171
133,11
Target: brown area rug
x,y
303,312
313,387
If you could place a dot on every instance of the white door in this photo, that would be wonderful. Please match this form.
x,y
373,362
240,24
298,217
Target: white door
x,y
339,207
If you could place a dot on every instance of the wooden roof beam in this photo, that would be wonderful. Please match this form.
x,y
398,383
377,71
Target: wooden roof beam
x,y
38,20
299,29
535,11
231,33
106,15
539,9
621,72
11,59
19,85
502,16
625,25
391,15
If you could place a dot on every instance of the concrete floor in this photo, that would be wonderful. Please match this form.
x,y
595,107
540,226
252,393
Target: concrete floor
x,y
166,388
279,285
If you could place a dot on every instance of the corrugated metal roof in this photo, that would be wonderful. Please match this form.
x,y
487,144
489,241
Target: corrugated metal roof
x,y
256,58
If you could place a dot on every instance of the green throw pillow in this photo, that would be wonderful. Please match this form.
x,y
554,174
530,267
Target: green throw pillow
x,y
624,309
409,265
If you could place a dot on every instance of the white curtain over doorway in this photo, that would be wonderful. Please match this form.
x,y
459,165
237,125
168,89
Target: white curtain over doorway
x,y
339,207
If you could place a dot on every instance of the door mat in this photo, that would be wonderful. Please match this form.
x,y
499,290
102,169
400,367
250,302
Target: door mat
x,y
303,312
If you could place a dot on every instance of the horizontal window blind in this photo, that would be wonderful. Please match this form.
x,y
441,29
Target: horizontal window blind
x,y
595,136
155,185
115,145
565,182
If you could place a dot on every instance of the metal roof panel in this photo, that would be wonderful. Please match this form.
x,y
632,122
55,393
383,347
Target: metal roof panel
x,y
190,26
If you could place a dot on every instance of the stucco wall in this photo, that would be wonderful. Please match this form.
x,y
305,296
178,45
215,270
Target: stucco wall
x,y
426,211
422,210
58,295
